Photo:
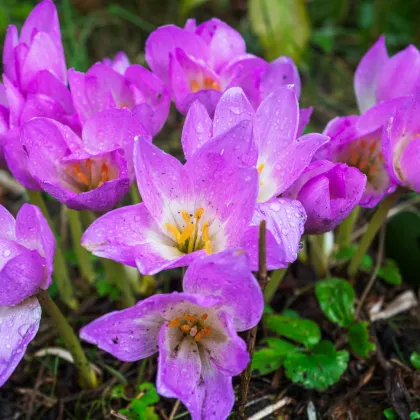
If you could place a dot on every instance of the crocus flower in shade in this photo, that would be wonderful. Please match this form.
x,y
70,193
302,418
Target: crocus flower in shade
x,y
27,248
380,78
65,166
188,210
120,63
200,62
195,333
280,157
328,192
4,118
401,145
135,88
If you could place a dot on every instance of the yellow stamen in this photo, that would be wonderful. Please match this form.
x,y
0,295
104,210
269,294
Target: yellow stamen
x,y
199,213
208,248
201,334
260,168
185,328
175,232
81,175
186,216
190,318
174,322
207,243
104,173
195,87
188,231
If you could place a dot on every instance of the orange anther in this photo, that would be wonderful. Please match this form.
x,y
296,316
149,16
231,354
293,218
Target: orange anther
x,y
174,322
201,334
80,174
194,85
204,317
189,317
373,147
186,216
104,173
199,213
185,328
89,165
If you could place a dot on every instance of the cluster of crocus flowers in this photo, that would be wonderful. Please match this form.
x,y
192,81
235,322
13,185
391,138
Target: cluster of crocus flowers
x,y
195,332
27,248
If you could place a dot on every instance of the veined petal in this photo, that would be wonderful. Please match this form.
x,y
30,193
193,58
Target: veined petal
x,y
409,165
197,129
9,64
19,325
130,334
304,118
228,275
367,75
7,223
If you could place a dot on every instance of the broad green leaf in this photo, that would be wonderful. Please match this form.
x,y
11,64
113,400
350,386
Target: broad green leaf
x,y
336,298
415,359
414,415
317,369
269,359
390,414
150,395
186,6
359,339
390,272
301,330
346,254
118,392
282,26
140,408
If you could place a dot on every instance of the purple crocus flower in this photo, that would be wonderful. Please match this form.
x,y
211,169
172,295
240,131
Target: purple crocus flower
x,y
328,192
4,119
204,206
120,63
200,62
27,248
401,145
195,333
278,154
93,172
120,86
381,85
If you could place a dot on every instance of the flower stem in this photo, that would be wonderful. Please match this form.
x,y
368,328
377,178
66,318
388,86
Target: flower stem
x,y
115,274
275,279
87,374
252,333
373,227
346,228
318,257
135,195
82,255
61,273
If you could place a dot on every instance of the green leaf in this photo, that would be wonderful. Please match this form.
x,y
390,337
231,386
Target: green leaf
x,y
140,408
317,369
186,6
118,392
358,335
390,272
414,415
269,359
336,298
150,395
282,26
390,414
415,360
301,330
345,254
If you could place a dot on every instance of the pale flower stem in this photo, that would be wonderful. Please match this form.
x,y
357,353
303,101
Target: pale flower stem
x,y
252,333
276,278
377,221
134,193
346,228
83,258
87,375
61,274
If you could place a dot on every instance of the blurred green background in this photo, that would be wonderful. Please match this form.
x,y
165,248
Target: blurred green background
x,y
327,38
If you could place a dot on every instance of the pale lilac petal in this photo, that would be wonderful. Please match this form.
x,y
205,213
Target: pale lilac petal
x,y
130,334
152,97
227,191
304,118
7,223
18,327
33,231
21,276
229,356
9,64
208,97
400,75
164,184
281,71
232,108
166,39
197,129
116,234
17,160
228,274
285,220
179,364
15,102
225,43
42,106
367,75
120,63
409,164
